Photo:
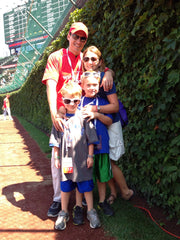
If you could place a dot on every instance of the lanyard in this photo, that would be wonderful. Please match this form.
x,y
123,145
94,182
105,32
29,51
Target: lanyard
x,y
75,79
90,103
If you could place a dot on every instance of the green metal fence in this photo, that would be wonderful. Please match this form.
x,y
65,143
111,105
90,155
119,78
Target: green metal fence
x,y
43,19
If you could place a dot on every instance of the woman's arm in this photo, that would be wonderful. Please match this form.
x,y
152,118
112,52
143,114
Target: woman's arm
x,y
112,107
96,115
103,118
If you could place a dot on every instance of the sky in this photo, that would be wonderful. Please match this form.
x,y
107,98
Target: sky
x,y
6,6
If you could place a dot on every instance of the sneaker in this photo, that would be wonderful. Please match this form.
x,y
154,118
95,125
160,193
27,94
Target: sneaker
x,y
106,208
54,209
60,223
78,215
93,218
84,203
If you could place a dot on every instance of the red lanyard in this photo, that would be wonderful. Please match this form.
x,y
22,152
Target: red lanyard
x,y
75,78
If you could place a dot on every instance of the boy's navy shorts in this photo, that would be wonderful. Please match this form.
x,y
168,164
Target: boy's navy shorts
x,y
69,185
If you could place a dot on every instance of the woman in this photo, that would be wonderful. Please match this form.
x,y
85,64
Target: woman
x,y
93,61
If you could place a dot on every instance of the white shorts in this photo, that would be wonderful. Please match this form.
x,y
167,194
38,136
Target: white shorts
x,y
116,142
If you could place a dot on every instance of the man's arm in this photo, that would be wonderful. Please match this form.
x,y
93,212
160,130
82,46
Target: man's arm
x,y
107,81
52,100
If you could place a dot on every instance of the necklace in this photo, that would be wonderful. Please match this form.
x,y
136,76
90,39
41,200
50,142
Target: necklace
x,y
75,78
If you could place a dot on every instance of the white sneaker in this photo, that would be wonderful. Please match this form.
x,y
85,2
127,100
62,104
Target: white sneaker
x,y
93,218
60,223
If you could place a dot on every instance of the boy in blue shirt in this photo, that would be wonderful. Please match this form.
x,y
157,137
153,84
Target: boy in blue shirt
x,y
102,167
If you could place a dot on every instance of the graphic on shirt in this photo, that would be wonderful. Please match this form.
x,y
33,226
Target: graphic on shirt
x,y
67,165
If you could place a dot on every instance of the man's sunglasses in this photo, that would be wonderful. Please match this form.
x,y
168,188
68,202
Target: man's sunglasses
x,y
68,101
76,37
93,59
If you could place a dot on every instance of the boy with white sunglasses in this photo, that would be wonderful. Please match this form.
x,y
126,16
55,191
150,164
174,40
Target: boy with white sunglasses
x,y
73,154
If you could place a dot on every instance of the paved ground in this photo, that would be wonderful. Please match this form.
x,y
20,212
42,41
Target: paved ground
x,y
26,191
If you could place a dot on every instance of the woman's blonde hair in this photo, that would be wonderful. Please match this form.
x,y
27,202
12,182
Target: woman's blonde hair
x,y
71,88
98,53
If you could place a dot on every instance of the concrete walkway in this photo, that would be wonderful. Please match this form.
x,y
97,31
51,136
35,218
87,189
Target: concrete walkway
x,y
26,191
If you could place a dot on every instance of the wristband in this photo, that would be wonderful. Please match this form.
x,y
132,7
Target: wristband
x,y
98,109
90,156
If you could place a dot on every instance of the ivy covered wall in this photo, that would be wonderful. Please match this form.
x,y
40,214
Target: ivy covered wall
x,y
140,42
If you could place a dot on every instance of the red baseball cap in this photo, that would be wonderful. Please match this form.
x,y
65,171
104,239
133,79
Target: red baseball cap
x,y
78,26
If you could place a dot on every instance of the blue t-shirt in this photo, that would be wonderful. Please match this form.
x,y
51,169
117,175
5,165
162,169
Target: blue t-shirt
x,y
104,94
101,129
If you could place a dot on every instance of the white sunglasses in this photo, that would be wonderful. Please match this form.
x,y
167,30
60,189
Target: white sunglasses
x,y
93,74
69,101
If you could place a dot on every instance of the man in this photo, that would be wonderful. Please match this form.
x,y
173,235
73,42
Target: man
x,y
6,106
63,65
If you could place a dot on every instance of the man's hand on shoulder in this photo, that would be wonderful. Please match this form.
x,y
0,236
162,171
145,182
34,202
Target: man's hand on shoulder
x,y
58,119
107,81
